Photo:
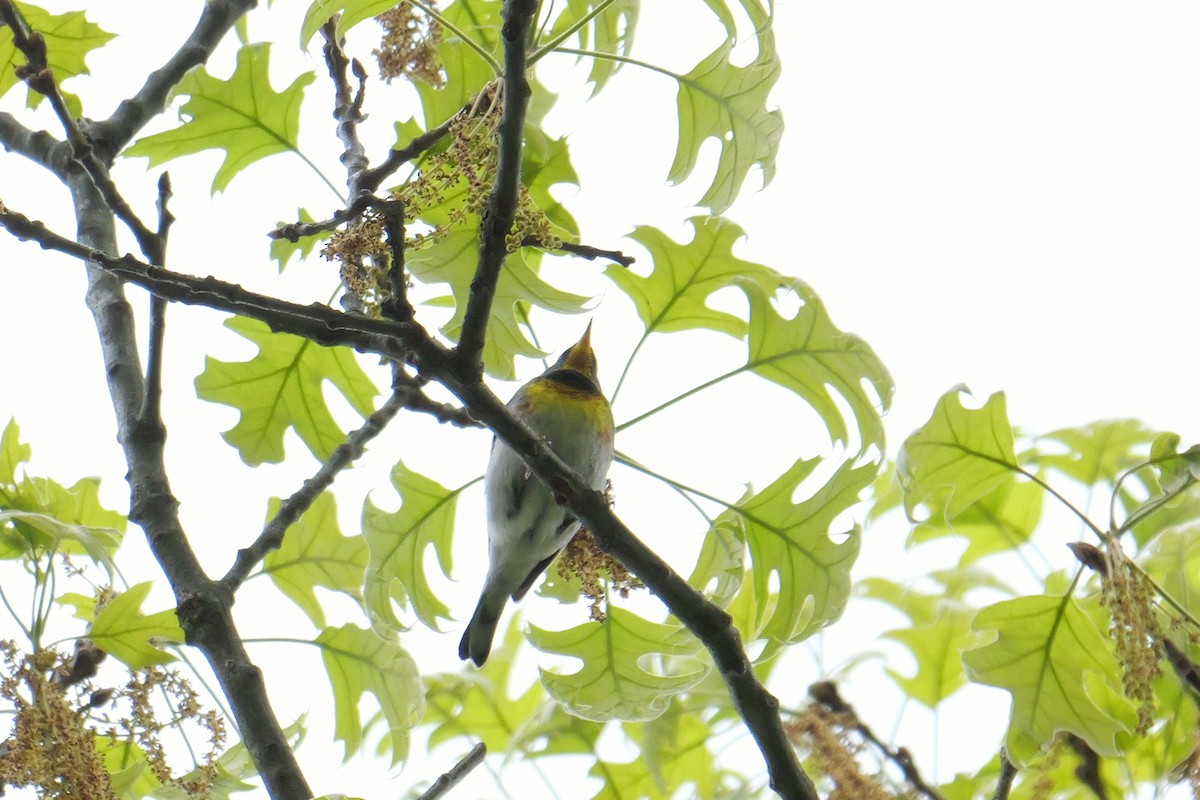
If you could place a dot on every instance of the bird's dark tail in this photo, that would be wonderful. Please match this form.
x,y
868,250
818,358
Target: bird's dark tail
x,y
476,642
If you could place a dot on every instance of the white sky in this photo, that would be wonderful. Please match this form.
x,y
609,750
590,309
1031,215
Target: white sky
x,y
1002,196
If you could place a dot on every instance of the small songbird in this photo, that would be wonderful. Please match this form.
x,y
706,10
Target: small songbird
x,y
526,526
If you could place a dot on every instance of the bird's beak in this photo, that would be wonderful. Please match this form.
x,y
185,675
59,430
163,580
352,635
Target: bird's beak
x,y
580,358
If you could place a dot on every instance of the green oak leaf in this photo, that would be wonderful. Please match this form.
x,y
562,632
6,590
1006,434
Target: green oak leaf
x,y
351,12
397,541
760,16
84,604
674,753
241,115
728,103
315,553
939,631
466,71
809,356
454,259
675,295
12,455
360,662
281,388
630,667
1097,453
1002,520
546,163
1058,666
1173,560
792,541
69,38
611,32
32,535
958,457
721,566
477,705
124,632
282,250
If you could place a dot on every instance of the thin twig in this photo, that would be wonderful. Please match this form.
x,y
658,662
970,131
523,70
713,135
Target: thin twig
x,y
410,390
583,251
826,693
369,182
37,74
347,109
397,306
151,413
294,507
216,19
502,203
453,776
711,625
1008,773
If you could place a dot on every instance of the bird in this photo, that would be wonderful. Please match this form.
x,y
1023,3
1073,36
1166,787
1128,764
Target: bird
x,y
527,528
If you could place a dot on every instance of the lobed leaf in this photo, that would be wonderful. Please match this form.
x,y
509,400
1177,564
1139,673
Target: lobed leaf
x,y
674,754
315,553
630,667
675,295
69,39
939,630
350,13
611,32
454,259
242,115
477,705
791,540
280,388
728,103
124,632
397,541
1059,668
956,458
1000,521
282,250
361,662
809,356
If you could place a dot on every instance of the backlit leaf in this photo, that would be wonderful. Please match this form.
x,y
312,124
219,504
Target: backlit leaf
x,y
124,632
315,553
476,704
361,662
610,31
69,38
808,355
792,541
630,667
957,457
242,115
454,260
351,12
281,388
1058,666
398,540
1002,520
675,295
729,103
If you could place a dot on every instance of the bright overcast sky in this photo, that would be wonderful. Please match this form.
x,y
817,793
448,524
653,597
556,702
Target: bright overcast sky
x,y
1001,195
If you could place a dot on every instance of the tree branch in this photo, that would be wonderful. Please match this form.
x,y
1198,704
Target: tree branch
x,y
453,776
826,693
502,204
583,251
294,507
1008,773
408,342
218,17
38,146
